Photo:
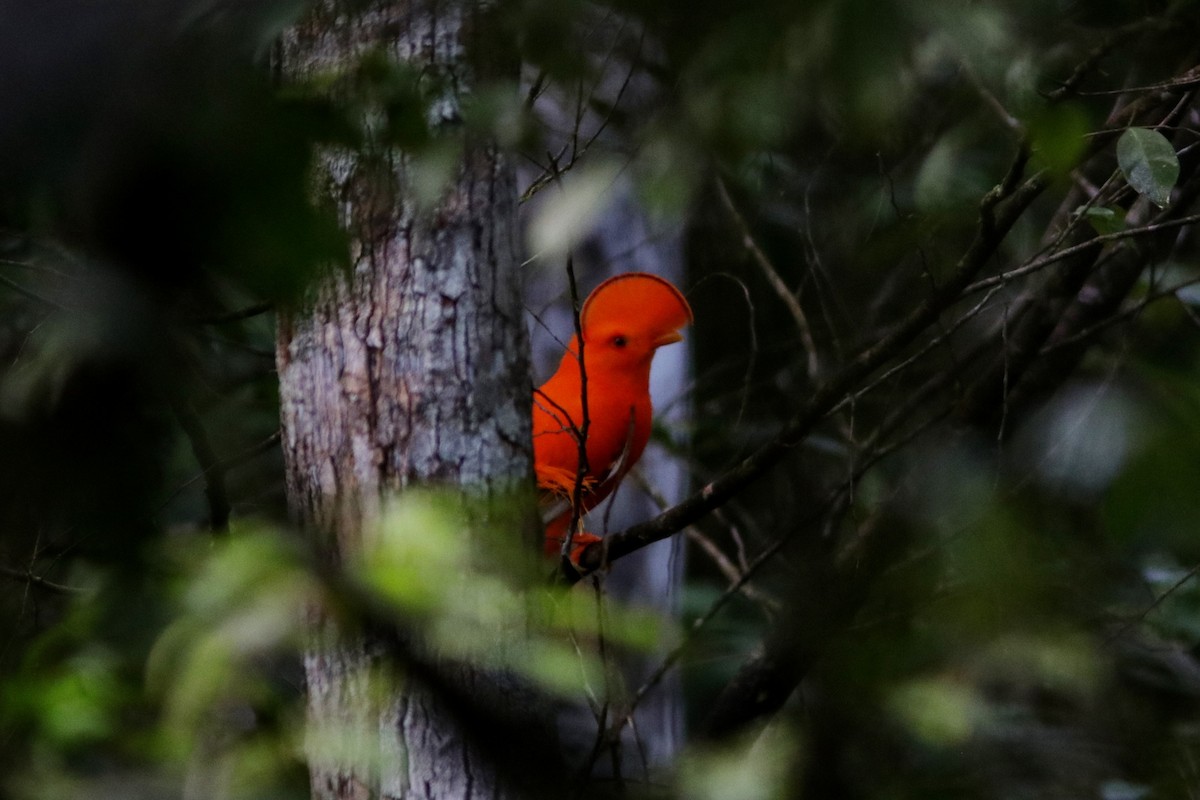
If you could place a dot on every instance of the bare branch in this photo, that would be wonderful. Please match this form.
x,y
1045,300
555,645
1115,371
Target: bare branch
x,y
27,293
776,282
580,431
210,464
1053,258
1158,601
994,223
234,316
25,576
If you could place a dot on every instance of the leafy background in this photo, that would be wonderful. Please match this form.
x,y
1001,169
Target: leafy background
x,y
980,558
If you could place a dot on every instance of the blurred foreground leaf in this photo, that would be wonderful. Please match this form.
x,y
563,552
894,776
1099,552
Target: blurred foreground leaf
x,y
471,604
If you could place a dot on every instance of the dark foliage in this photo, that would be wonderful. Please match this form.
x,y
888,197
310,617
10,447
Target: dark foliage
x,y
944,429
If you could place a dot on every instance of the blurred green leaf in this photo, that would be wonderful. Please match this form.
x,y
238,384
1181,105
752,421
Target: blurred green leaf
x,y
940,712
761,766
1058,136
468,604
241,602
80,703
950,177
1103,219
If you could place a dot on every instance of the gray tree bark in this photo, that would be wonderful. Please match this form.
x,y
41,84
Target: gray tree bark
x,y
408,370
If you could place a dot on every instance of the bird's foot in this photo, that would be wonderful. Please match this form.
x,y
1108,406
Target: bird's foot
x,y
581,541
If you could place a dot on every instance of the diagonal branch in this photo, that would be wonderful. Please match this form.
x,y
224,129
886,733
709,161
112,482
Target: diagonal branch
x,y
999,210
772,275
211,466
25,576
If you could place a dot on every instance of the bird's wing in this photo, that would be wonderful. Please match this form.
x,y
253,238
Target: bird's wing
x,y
557,483
621,464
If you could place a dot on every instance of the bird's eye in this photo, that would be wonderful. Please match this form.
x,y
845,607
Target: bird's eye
x,y
619,341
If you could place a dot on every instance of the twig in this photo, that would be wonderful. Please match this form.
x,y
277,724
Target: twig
x,y
581,431
994,225
930,345
601,714
578,152
229,463
721,561
833,505
27,293
1110,43
990,100
1045,261
730,570
1123,315
210,463
535,90
234,316
25,576
772,275
1158,601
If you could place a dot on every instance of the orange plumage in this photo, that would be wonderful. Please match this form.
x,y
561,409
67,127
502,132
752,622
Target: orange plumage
x,y
624,321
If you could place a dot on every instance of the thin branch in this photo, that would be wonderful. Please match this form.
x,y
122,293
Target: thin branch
x,y
1069,87
581,431
747,363
990,100
994,224
721,561
535,90
600,714
229,463
833,505
1185,81
731,571
1132,311
578,152
27,293
1045,261
921,353
776,282
27,577
828,300
234,316
210,464
1158,601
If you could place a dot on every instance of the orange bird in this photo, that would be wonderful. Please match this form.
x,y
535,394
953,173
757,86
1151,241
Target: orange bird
x,y
624,320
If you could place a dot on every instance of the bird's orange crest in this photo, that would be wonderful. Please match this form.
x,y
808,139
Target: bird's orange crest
x,y
657,304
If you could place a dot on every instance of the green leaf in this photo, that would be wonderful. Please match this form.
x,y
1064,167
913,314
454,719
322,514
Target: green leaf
x,y
1103,219
1149,163
1058,136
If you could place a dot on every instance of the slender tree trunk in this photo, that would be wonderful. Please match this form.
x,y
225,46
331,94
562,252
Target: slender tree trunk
x,y
410,369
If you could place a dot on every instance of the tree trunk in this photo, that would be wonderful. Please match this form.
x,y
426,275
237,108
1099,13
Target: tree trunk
x,y
409,369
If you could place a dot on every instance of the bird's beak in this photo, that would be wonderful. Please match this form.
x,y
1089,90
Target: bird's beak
x,y
668,338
